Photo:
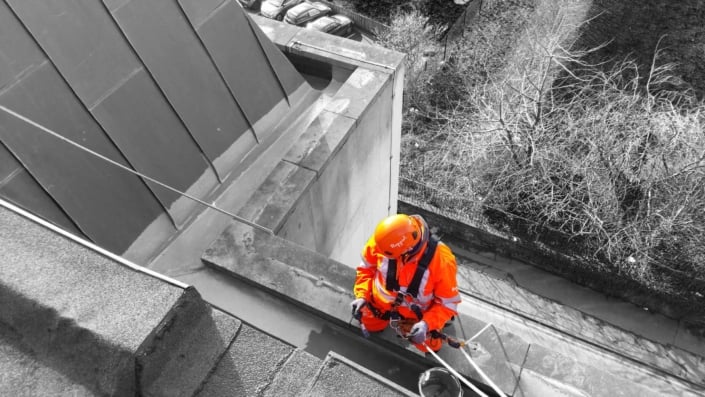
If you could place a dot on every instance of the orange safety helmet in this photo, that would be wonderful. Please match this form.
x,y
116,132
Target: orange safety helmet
x,y
399,234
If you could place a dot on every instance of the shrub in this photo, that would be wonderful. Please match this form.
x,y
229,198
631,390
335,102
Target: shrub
x,y
594,162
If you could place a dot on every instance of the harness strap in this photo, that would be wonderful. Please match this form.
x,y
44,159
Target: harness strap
x,y
392,283
392,314
413,288
378,313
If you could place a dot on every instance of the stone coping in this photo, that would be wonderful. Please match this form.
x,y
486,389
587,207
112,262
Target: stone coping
x,y
309,155
328,48
98,324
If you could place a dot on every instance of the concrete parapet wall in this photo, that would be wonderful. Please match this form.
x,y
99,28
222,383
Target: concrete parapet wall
x,y
99,325
352,188
178,356
81,313
341,176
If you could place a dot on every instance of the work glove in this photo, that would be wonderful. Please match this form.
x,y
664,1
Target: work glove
x,y
356,305
418,332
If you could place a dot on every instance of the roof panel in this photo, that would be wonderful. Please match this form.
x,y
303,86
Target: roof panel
x,y
152,138
289,78
17,51
24,191
229,39
82,41
170,50
111,206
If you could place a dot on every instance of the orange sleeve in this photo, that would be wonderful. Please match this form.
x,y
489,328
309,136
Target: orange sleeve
x,y
365,273
443,270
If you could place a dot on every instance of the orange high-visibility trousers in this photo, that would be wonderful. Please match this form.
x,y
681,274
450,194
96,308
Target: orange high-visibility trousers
x,y
376,324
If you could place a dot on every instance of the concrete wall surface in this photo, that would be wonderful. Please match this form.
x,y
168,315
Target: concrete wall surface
x,y
352,185
352,147
75,321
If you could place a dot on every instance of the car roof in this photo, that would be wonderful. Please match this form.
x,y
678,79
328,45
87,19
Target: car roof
x,y
300,7
320,6
322,22
342,18
305,6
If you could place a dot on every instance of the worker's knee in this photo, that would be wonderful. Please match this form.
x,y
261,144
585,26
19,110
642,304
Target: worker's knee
x,y
372,323
433,344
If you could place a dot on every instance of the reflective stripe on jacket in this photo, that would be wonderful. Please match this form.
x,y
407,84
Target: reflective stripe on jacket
x,y
438,296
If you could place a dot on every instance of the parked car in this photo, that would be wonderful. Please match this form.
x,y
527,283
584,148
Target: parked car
x,y
250,4
337,24
275,9
306,12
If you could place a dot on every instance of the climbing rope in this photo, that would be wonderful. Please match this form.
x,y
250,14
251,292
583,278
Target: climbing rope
x,y
130,170
401,328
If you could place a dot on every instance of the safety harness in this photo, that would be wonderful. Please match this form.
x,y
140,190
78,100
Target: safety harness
x,y
392,284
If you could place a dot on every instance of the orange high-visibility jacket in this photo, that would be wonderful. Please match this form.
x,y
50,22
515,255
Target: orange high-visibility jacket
x,y
438,296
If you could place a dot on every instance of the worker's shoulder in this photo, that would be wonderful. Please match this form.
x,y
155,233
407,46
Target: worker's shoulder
x,y
444,253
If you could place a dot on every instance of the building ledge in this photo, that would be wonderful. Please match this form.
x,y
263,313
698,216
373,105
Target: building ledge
x,y
517,353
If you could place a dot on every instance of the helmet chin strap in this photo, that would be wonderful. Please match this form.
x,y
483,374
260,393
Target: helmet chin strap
x,y
422,241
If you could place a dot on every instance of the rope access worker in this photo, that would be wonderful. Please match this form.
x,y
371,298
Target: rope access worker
x,y
407,280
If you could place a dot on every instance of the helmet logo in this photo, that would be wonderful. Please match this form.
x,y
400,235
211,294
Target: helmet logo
x,y
399,244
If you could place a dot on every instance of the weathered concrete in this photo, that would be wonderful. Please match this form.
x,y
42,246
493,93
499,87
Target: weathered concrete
x,y
271,203
88,325
287,269
664,357
514,343
335,201
258,364
336,371
184,350
22,373
315,209
182,254
248,366
69,305
295,375
359,148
